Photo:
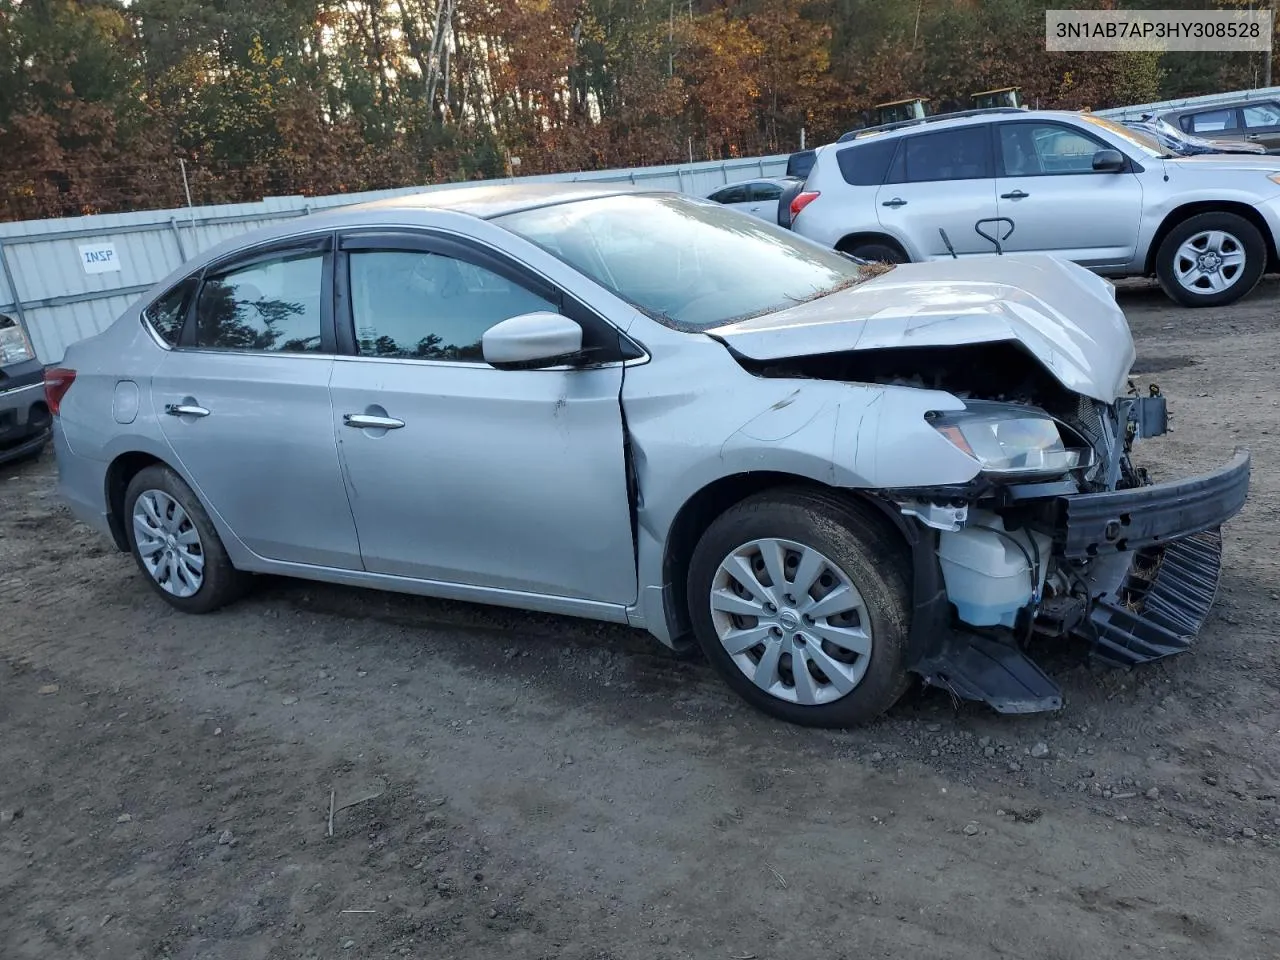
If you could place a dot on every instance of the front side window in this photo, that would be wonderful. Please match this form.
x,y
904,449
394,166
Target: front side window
x,y
427,306
269,305
1262,115
765,191
686,263
1031,149
168,314
960,154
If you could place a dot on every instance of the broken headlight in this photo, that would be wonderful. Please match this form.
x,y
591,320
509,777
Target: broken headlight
x,y
1011,441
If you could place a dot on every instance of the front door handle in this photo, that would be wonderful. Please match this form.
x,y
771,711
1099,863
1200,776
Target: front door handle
x,y
366,421
1016,195
185,410
895,202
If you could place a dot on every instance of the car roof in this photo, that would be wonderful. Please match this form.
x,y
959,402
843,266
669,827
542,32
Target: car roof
x,y
933,125
495,200
1214,107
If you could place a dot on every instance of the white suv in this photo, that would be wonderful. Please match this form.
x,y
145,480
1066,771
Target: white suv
x,y
1071,184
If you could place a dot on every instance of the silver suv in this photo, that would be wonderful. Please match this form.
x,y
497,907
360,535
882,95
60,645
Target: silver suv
x,y
1070,184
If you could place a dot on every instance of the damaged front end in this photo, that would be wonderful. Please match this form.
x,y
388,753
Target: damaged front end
x,y
1077,542
1059,535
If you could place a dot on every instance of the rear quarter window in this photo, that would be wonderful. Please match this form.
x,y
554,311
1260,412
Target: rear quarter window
x,y
167,315
865,164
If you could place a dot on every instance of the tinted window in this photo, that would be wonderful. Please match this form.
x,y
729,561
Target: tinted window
x,y
765,191
1262,115
1213,120
269,305
866,164
168,314
799,164
428,306
688,264
736,194
962,154
1032,149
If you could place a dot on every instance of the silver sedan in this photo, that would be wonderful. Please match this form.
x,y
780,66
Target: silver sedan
x,y
641,408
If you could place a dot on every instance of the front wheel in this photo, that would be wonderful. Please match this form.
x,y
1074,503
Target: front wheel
x,y
801,602
1211,259
175,545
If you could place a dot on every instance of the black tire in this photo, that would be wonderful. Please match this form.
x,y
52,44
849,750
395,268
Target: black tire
x,y
222,583
876,252
1243,233
865,549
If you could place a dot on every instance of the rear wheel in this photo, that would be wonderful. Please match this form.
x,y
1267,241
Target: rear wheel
x,y
175,545
876,252
801,602
1211,259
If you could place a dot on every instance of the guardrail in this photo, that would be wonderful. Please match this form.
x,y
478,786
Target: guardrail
x,y
1207,100
69,278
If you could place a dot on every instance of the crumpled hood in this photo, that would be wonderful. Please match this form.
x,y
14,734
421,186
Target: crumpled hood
x,y
1064,315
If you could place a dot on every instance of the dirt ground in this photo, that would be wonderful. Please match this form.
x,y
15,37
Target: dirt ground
x,y
526,786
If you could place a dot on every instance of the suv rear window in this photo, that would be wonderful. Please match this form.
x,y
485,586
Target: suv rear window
x,y
865,164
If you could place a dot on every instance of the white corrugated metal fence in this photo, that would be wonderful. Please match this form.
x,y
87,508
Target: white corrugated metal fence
x,y
70,278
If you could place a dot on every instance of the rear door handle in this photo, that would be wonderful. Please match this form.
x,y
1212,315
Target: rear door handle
x,y
1016,195
185,410
366,421
895,202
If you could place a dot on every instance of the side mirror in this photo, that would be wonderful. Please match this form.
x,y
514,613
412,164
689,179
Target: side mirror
x,y
1108,161
531,341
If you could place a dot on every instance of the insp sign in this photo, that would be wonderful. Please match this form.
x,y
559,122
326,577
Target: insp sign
x,y
99,258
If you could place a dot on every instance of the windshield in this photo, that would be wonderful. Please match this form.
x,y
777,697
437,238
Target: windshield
x,y
687,263
1137,138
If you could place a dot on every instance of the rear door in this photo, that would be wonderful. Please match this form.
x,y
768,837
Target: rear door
x,y
244,403
1047,186
942,180
763,197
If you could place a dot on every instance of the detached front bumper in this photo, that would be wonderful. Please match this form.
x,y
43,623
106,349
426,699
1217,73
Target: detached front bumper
x,y
1150,558
1089,525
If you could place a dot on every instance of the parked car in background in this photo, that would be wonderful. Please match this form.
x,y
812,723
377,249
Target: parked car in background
x,y
24,416
1188,145
1251,120
643,408
1074,185
756,197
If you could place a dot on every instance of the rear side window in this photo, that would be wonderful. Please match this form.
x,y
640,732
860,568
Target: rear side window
x,y
169,313
960,154
736,194
267,305
866,164
1212,121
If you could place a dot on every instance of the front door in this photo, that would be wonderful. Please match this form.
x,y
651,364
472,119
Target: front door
x,y
1262,124
244,403
1057,202
505,479
940,181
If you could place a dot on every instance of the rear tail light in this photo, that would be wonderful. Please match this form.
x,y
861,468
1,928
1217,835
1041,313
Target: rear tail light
x,y
802,200
57,381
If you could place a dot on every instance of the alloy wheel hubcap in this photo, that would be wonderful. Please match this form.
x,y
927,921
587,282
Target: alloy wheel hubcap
x,y
792,621
1209,262
168,543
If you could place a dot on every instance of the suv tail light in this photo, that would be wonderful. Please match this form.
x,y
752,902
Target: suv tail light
x,y
802,200
57,381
